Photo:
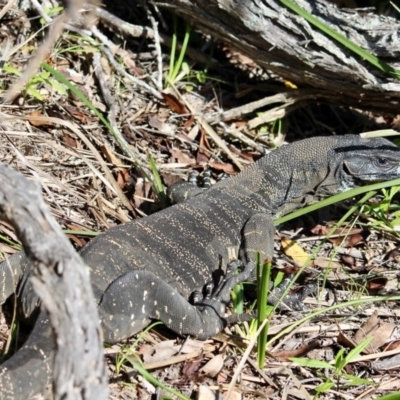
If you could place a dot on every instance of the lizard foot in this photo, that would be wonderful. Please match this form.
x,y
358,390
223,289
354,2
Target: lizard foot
x,y
291,302
219,296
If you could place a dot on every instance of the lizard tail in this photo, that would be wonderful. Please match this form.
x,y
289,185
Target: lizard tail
x,y
29,370
11,271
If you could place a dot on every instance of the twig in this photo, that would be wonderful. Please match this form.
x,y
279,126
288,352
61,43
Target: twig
x,y
61,280
157,46
7,8
55,32
140,31
112,182
120,70
209,130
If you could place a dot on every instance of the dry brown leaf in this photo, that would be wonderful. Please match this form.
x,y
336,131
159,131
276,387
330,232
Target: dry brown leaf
x,y
123,177
382,335
349,260
222,378
191,367
294,251
347,238
174,104
205,393
354,239
140,192
345,341
319,230
234,395
79,242
213,367
376,284
389,383
129,63
33,121
192,134
301,351
189,122
69,140
368,328
161,126
380,331
394,254
78,114
182,157
191,345
323,263
161,351
393,345
227,168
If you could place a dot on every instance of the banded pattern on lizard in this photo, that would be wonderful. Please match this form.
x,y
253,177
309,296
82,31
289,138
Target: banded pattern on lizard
x,y
147,268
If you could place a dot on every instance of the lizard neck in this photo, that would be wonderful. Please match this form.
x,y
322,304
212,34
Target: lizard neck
x,y
288,178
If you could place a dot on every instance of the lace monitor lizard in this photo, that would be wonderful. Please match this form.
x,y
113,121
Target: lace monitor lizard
x,y
147,268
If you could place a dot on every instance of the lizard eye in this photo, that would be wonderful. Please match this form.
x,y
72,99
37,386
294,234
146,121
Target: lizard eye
x,y
382,161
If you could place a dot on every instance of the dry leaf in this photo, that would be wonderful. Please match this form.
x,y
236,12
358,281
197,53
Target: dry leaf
x,y
234,395
191,345
78,114
322,263
227,168
36,122
294,251
174,104
193,132
301,351
205,393
376,284
214,366
393,345
161,351
161,126
123,177
191,367
69,140
182,157
368,328
345,341
380,331
189,122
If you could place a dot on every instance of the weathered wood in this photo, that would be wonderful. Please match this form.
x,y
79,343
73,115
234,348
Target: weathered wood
x,y
281,41
61,280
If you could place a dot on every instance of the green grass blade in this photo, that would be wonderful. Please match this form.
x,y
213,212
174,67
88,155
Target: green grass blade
x,y
156,382
358,349
172,53
373,60
158,186
310,362
178,64
391,396
262,295
124,145
336,198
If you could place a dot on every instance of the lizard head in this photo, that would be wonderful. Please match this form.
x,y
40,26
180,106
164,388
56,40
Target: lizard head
x,y
367,160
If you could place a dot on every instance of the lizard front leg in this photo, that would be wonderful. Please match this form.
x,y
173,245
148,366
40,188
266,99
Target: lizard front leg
x,y
134,299
257,237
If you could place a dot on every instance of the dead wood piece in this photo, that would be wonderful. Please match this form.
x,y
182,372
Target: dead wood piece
x,y
62,281
281,41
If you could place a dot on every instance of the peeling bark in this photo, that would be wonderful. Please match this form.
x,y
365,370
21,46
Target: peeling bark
x,y
281,41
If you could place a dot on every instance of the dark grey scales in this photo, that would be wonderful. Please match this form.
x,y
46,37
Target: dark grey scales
x,y
147,268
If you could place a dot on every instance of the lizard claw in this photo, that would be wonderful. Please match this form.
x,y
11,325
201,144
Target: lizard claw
x,y
222,292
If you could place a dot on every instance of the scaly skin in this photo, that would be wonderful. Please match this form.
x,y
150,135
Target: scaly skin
x,y
147,268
